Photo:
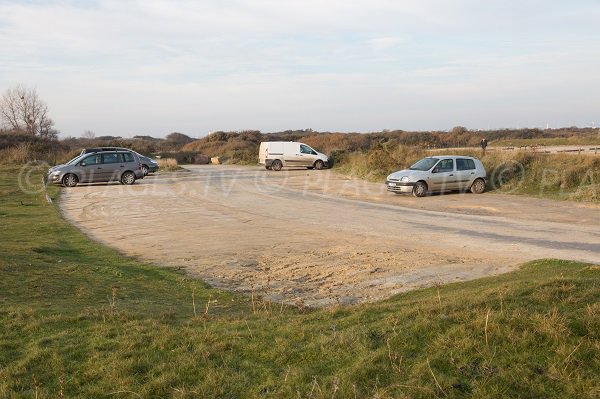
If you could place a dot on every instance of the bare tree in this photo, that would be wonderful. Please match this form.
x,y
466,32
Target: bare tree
x,y
88,134
22,109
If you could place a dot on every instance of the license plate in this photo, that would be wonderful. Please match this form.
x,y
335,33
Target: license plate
x,y
392,184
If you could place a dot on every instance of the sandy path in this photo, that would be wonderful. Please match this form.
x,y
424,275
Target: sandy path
x,y
320,238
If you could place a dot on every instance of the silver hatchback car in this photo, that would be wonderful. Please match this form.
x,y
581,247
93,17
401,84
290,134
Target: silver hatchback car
x,y
439,173
122,166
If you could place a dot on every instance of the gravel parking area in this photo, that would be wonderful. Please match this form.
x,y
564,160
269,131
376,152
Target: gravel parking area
x,y
318,238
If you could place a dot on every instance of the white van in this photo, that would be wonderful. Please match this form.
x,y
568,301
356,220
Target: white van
x,y
277,154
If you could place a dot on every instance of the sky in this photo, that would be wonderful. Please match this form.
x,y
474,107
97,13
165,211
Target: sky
x,y
151,67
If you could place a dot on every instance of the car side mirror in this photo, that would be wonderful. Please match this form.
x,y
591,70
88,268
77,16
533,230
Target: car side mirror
x,y
435,170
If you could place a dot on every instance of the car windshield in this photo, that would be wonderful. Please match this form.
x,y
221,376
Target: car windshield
x,y
75,160
424,164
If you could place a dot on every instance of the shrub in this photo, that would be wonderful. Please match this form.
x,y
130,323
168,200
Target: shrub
x,y
19,154
377,163
186,157
168,164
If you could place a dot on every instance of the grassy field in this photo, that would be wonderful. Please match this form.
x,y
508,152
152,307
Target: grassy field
x,y
78,320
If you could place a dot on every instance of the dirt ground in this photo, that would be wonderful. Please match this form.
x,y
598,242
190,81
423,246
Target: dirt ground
x,y
318,238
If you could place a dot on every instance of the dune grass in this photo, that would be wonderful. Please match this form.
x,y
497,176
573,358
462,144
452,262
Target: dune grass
x,y
80,320
168,164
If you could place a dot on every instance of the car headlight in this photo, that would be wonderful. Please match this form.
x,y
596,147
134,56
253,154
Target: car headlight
x,y
404,179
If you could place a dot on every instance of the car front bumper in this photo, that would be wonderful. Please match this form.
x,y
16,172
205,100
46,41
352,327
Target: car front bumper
x,y
53,179
399,187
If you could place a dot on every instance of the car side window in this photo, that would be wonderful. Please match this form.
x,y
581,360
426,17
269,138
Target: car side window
x,y
465,164
111,157
304,149
445,165
128,157
92,160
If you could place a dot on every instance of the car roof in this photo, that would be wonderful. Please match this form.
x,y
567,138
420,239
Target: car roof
x,y
93,150
450,156
100,152
102,149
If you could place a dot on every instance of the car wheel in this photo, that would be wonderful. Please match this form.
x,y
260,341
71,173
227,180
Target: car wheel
x,y
420,189
319,165
70,180
276,165
128,178
145,170
478,186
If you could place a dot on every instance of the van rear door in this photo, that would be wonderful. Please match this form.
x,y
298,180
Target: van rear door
x,y
263,152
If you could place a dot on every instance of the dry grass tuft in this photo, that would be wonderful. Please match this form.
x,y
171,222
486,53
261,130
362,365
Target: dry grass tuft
x,y
19,154
168,164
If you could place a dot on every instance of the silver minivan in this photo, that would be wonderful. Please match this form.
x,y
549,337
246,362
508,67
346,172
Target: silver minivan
x,y
122,166
149,165
439,173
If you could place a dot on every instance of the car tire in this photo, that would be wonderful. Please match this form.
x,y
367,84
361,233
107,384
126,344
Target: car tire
x,y
70,180
478,186
276,165
420,189
319,165
128,178
145,170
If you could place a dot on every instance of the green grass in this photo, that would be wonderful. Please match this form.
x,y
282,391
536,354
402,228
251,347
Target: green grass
x,y
533,333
